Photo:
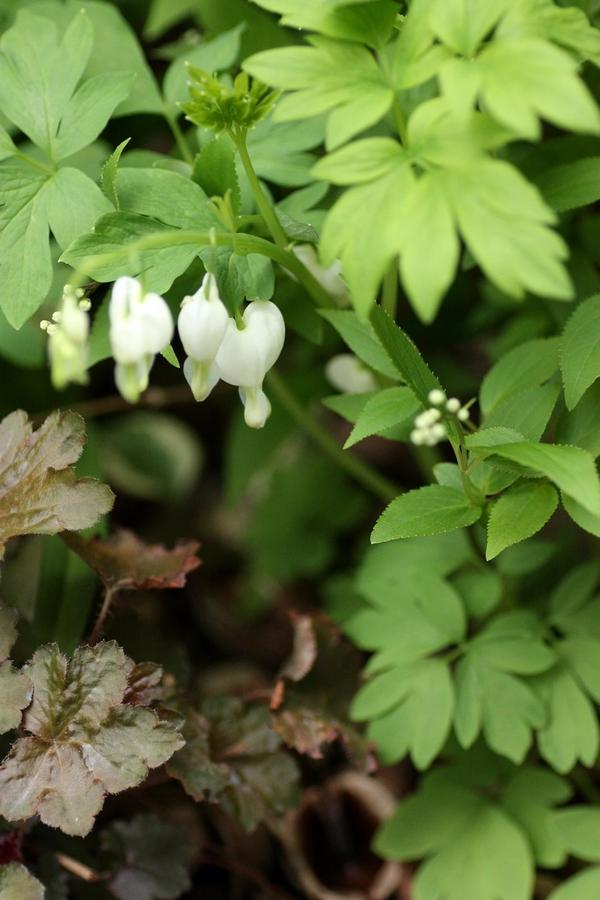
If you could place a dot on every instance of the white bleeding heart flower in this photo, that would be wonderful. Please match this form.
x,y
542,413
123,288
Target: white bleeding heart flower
x,y
202,324
247,353
68,334
347,373
329,277
141,325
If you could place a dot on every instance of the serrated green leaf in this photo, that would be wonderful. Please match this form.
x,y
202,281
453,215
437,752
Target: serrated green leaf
x,y
528,365
387,408
581,426
108,175
519,514
570,468
404,355
214,170
429,510
527,411
580,351
362,340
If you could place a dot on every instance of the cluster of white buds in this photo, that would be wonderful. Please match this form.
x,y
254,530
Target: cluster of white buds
x,y
141,325
239,352
349,375
68,333
430,428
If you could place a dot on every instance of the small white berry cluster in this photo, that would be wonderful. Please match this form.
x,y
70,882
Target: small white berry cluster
x,y
430,427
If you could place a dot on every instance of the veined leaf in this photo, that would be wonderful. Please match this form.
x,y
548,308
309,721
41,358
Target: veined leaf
x,y
519,514
387,408
580,351
428,510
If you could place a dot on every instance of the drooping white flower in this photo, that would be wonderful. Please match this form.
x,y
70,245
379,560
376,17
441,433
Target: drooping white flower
x,y
68,334
329,277
247,353
348,374
202,324
141,325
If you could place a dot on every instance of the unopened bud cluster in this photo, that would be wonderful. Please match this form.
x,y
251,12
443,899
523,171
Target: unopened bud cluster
x,y
218,347
431,425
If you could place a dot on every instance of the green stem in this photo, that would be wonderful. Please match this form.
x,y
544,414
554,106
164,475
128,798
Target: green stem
x,y
399,119
243,243
356,468
266,210
390,290
180,138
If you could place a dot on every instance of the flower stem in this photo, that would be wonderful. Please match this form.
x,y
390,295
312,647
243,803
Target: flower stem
x,y
262,201
356,468
97,630
180,138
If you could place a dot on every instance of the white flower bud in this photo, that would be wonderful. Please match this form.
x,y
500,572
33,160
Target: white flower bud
x,y
438,431
453,405
418,437
202,324
436,397
463,414
68,341
328,277
246,355
348,374
141,325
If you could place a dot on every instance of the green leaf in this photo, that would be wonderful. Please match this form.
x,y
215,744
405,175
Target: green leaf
x,y
519,514
39,74
214,170
81,740
149,858
361,161
280,150
404,355
409,699
519,253
463,24
367,22
428,221
362,340
108,176
542,18
571,732
428,510
115,48
583,886
366,252
73,204
570,468
526,366
15,687
330,76
481,590
348,406
581,426
387,408
233,756
454,827
571,185
487,684
16,883
527,411
89,110
579,831
580,351
524,80
215,55
42,494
